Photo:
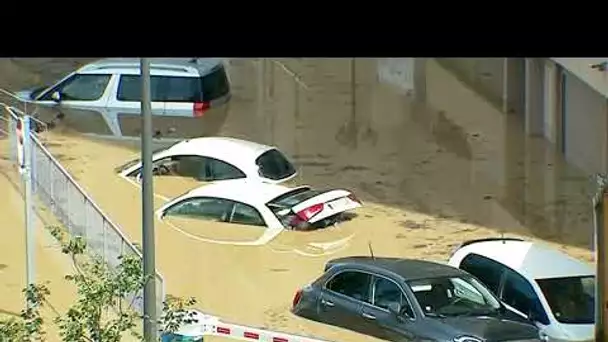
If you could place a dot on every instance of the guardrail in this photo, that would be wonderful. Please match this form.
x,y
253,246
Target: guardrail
x,y
74,208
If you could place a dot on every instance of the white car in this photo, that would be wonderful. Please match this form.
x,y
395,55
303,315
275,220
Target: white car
x,y
178,87
544,285
272,206
217,158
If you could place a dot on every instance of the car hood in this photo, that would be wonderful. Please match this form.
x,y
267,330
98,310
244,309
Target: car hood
x,y
491,328
26,94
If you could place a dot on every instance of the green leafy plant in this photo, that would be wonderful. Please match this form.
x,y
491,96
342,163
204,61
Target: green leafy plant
x,y
103,310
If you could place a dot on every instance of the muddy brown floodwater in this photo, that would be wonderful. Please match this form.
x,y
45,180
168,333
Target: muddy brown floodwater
x,y
431,175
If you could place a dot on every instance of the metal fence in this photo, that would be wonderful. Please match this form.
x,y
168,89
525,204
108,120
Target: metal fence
x,y
73,207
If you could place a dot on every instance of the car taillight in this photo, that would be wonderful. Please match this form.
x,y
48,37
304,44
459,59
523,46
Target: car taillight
x,y
311,211
352,197
200,108
297,298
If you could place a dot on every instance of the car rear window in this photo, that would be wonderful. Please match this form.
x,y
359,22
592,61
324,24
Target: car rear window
x,y
215,84
274,165
293,197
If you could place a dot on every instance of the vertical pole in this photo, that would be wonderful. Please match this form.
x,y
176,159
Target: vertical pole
x,y
29,215
600,203
150,331
601,264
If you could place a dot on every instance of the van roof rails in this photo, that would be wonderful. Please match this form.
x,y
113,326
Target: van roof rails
x,y
503,239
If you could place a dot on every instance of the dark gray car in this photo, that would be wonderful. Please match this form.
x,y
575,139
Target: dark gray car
x,y
409,300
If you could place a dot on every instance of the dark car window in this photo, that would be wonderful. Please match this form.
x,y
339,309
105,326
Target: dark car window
x,y
486,270
351,284
215,84
189,166
181,89
518,293
176,88
571,299
205,208
81,87
219,170
387,291
274,165
129,88
293,198
246,214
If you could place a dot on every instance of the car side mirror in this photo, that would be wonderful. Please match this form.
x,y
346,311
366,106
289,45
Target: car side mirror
x,y
56,96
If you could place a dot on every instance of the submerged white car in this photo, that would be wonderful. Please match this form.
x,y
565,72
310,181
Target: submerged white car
x,y
217,158
544,285
271,206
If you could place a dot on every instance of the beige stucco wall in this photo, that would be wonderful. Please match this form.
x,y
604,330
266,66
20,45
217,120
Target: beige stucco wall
x,y
581,67
585,125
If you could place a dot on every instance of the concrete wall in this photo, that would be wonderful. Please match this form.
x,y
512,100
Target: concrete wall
x,y
585,125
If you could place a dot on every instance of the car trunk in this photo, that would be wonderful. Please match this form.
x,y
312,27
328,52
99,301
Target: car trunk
x,y
332,202
306,209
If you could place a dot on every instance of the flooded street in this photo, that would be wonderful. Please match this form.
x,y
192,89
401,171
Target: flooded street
x,y
433,168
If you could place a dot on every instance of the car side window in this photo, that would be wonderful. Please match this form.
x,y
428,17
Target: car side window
x,y
387,292
246,214
519,293
182,89
488,271
190,166
129,88
81,87
205,208
352,284
219,170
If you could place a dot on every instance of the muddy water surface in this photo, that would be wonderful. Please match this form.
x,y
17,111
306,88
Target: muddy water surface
x,y
432,173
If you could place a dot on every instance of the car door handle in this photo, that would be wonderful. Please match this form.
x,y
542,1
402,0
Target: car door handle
x,y
327,302
368,316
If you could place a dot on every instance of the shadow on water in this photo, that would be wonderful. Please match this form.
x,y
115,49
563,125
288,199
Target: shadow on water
x,y
441,149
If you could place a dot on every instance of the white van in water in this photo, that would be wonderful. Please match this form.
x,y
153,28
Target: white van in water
x,y
110,89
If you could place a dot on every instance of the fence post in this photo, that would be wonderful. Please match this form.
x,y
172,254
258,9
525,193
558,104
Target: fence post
x,y
27,180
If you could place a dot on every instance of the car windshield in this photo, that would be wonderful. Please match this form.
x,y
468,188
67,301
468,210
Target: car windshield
x,y
274,165
571,299
454,296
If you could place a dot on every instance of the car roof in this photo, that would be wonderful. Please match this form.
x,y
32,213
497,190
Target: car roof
x,y
240,153
177,66
242,190
532,260
408,269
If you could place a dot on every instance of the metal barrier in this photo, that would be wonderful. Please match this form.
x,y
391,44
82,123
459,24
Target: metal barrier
x,y
74,208
208,325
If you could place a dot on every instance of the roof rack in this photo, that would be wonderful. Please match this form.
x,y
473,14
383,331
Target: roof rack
x,y
503,239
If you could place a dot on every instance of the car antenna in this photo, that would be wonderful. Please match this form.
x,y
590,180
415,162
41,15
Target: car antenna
x,y
371,250
502,237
